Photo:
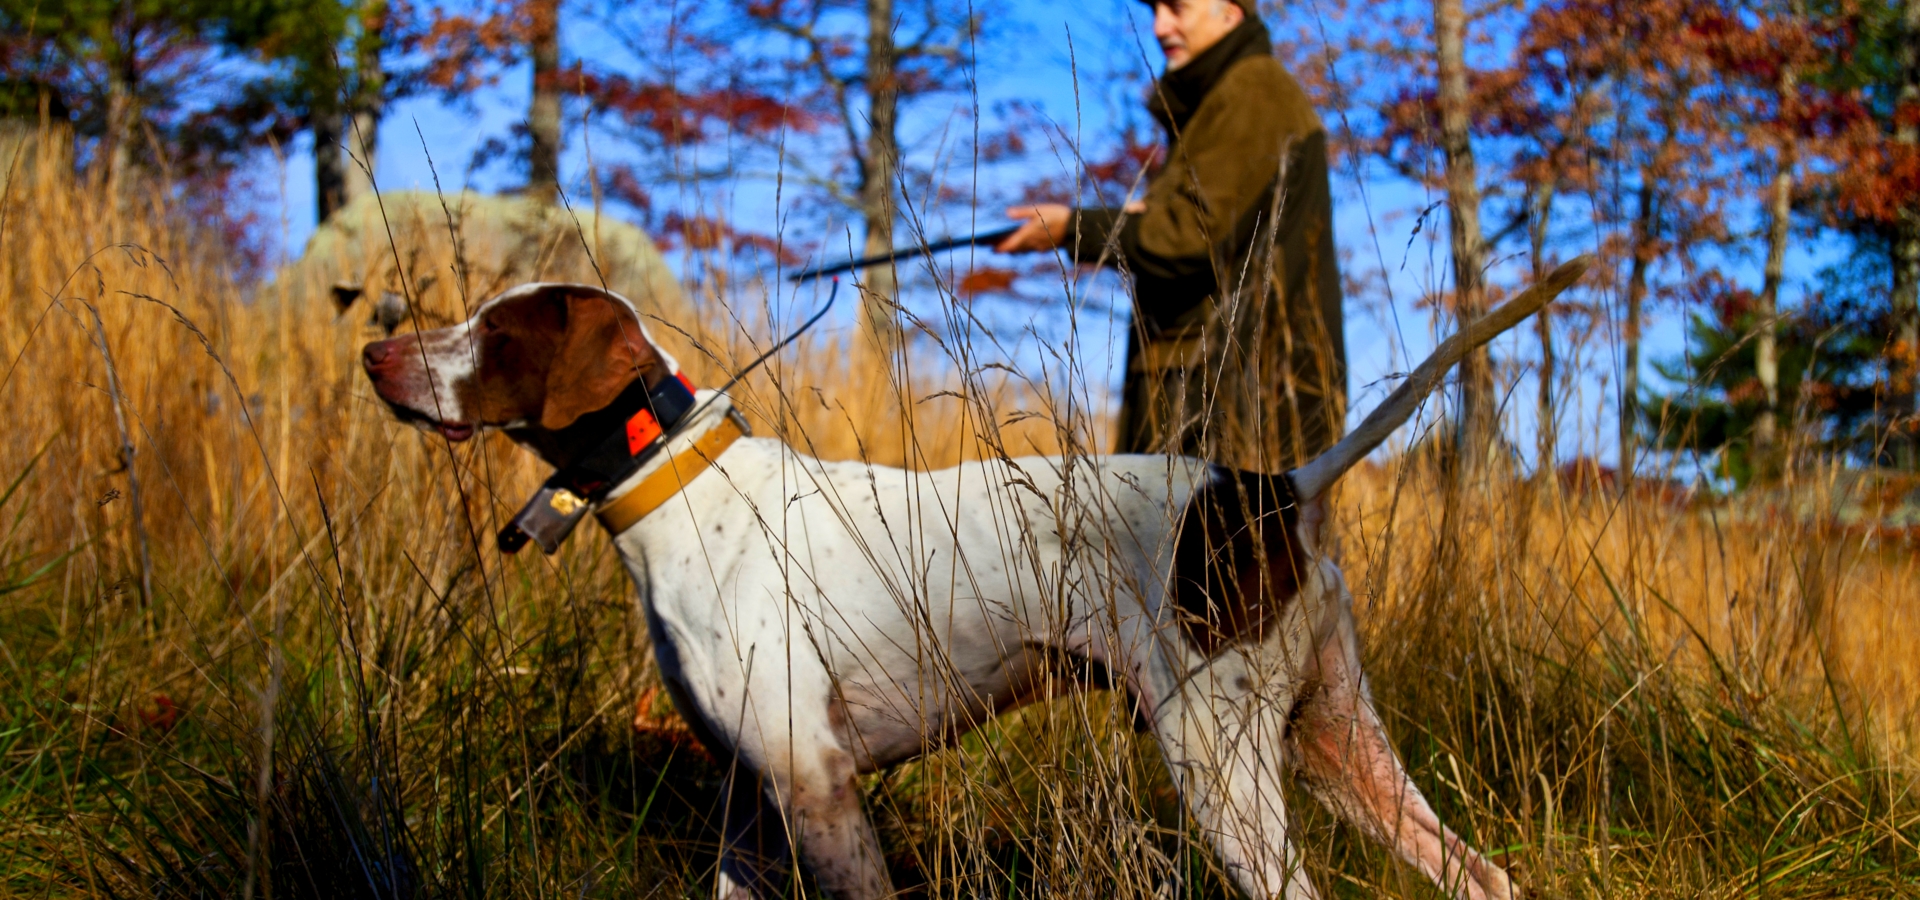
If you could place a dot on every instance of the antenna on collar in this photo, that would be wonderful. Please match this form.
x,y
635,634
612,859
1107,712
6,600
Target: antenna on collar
x,y
797,332
811,321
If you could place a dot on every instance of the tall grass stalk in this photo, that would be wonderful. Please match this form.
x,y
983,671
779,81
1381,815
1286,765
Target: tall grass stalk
x,y
340,690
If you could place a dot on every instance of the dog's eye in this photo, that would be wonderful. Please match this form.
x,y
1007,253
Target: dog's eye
x,y
489,326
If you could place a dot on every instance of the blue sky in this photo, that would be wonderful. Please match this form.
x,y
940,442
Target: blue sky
x,y
1034,55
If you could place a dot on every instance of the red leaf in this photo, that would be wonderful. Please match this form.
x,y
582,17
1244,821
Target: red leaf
x,y
163,716
986,280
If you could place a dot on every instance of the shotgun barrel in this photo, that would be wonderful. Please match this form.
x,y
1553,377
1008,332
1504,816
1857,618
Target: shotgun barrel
x,y
862,262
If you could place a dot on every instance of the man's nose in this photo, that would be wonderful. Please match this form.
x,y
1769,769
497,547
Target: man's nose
x,y
1165,24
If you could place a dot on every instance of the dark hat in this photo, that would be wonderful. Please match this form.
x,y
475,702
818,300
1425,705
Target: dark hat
x,y
1250,7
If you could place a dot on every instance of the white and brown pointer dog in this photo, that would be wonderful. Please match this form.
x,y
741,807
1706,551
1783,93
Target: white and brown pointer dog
x,y
814,620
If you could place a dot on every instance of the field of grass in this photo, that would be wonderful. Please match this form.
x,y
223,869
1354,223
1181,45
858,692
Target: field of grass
x,y
255,640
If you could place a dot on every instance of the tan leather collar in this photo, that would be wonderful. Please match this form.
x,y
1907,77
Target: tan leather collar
x,y
659,486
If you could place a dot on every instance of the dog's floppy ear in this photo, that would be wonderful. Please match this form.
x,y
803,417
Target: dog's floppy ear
x,y
602,351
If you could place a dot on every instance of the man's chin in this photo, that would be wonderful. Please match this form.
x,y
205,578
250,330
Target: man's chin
x,y
1177,58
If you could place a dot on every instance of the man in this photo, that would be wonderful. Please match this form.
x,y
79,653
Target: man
x,y
1236,354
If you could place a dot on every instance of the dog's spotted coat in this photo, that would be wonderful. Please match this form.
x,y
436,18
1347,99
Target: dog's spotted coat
x,y
816,620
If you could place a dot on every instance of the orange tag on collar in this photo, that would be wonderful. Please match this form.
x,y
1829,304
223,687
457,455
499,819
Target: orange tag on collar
x,y
642,430
686,381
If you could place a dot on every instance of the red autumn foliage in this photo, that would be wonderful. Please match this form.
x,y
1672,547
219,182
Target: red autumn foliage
x,y
986,280
1119,171
464,53
656,721
1589,477
1878,178
693,232
623,185
163,716
744,241
1109,178
705,233
680,117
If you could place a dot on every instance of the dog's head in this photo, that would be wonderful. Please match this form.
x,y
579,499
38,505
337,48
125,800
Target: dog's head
x,y
530,361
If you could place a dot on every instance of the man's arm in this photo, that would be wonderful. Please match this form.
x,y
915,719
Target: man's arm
x,y
1050,225
1204,203
1219,175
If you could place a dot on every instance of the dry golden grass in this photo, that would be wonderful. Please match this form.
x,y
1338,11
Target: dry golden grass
x,y
338,688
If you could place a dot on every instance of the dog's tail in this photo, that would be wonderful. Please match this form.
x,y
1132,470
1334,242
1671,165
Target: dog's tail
x,y
1312,479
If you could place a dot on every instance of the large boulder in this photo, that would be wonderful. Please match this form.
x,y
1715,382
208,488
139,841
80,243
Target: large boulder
x,y
451,253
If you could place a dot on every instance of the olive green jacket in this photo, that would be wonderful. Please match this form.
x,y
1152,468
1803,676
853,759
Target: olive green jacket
x,y
1237,352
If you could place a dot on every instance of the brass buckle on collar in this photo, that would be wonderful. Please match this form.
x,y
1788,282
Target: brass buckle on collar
x,y
644,420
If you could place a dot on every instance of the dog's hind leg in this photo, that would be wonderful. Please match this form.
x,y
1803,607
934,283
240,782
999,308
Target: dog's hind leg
x,y
1222,731
1348,763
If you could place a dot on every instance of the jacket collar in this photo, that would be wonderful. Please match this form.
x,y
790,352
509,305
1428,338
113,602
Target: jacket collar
x,y
1178,93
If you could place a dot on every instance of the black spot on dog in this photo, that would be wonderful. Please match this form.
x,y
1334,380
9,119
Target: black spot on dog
x,y
1236,561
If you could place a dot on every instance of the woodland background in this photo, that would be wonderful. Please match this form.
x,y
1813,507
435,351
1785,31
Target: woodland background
x,y
1746,172
1637,595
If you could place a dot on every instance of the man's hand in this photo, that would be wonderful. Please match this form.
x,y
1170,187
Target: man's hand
x,y
1046,226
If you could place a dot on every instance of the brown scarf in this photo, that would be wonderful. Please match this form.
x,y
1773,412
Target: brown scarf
x,y
1179,92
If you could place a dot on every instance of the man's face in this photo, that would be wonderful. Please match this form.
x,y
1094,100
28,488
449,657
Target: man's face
x,y
1186,28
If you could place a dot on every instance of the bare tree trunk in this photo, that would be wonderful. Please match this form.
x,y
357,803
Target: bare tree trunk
x,y
123,116
543,114
1548,437
362,138
1645,221
1906,251
877,316
329,164
369,101
1541,215
1476,427
1766,348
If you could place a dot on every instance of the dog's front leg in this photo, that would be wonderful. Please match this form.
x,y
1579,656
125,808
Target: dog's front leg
x,y
1222,732
836,840
807,779
820,809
